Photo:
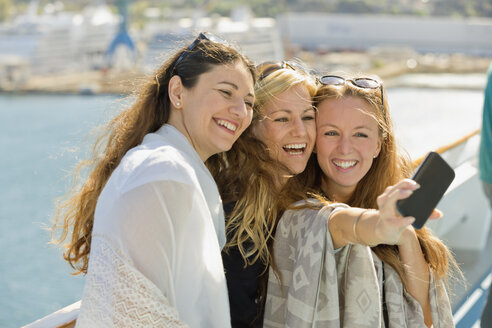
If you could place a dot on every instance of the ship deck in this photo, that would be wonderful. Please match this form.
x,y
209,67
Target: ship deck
x,y
469,298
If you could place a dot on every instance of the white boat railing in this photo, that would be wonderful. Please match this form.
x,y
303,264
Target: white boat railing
x,y
466,222
63,318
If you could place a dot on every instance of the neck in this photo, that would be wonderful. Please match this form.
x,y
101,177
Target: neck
x,y
176,120
337,193
281,180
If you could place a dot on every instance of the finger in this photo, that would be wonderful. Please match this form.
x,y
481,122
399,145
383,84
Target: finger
x,y
398,194
381,199
389,193
385,192
402,222
408,184
436,214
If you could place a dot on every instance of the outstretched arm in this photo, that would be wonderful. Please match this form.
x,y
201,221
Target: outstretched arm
x,y
373,227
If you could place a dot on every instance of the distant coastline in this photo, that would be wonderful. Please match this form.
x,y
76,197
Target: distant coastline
x,y
388,65
59,51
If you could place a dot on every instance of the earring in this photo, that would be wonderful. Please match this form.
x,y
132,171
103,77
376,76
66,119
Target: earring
x,y
178,103
375,156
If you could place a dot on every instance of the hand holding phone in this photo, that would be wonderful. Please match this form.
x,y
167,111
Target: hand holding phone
x,y
434,176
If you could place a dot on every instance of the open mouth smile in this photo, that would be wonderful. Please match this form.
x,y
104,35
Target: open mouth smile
x,y
230,127
295,149
344,164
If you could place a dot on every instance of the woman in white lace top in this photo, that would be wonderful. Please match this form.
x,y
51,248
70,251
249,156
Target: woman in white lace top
x,y
147,225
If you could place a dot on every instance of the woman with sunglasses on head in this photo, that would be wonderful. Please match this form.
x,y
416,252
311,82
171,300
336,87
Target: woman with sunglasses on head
x,y
357,160
147,226
275,147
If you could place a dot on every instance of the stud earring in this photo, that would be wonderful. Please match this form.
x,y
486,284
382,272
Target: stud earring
x,y
178,103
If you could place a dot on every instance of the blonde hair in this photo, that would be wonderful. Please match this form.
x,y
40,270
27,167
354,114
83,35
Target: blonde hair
x,y
147,114
248,176
388,168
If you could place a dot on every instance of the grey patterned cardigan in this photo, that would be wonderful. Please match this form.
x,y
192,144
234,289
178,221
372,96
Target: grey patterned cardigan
x,y
323,288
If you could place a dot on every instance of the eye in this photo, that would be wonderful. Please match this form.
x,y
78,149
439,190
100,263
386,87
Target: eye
x,y
249,104
331,133
360,135
308,118
226,93
281,119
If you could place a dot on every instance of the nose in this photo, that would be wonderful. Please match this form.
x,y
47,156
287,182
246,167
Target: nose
x,y
345,145
298,128
239,109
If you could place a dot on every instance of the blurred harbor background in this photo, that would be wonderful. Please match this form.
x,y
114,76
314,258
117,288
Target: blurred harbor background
x,y
94,46
67,66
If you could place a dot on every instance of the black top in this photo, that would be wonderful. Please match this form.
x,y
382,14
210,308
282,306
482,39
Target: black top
x,y
243,285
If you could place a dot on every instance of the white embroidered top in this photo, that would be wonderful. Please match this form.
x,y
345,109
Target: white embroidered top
x,y
155,251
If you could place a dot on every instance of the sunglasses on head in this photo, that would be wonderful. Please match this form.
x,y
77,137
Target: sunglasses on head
x,y
269,67
360,82
201,37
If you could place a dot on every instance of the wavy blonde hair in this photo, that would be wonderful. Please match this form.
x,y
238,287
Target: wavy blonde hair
x,y
387,169
248,176
147,114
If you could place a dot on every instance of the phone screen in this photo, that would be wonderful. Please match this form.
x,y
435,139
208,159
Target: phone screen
x,y
434,176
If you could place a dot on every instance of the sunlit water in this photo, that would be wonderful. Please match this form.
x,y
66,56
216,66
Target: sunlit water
x,y
42,137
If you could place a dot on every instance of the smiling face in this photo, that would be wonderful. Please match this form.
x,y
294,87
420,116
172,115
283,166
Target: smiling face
x,y
289,128
213,113
346,144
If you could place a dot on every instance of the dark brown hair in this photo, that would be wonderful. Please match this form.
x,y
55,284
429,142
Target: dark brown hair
x,y
146,115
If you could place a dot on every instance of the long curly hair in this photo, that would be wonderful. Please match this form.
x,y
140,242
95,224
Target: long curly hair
x,y
146,115
249,176
387,169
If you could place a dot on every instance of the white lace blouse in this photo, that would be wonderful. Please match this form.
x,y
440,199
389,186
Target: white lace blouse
x,y
157,236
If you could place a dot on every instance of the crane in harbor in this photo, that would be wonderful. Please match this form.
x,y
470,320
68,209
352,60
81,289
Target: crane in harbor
x,y
122,38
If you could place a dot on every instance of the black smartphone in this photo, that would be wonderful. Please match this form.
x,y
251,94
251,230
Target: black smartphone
x,y
434,176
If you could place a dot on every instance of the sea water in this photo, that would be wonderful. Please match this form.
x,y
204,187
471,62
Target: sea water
x,y
42,137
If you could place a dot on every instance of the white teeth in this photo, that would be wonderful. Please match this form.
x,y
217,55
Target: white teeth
x,y
345,164
295,149
295,146
227,125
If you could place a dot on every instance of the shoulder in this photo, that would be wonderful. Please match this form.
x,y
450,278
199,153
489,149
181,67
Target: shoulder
x,y
310,214
303,209
300,215
157,161
312,207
